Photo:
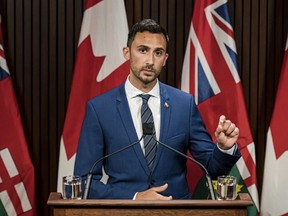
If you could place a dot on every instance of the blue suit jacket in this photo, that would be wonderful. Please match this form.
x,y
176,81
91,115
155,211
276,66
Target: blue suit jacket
x,y
108,127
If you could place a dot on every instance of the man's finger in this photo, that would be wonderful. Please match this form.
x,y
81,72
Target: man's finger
x,y
160,188
222,120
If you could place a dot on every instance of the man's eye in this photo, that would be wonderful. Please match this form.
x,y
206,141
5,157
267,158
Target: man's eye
x,y
143,50
159,53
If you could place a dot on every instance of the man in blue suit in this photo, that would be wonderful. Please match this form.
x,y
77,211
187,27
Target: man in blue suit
x,y
113,121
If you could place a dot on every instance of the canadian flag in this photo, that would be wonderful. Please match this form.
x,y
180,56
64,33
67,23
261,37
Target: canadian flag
x,y
100,66
274,190
210,74
17,186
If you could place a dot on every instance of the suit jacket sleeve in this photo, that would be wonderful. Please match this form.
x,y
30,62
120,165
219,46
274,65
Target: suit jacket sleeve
x,y
216,162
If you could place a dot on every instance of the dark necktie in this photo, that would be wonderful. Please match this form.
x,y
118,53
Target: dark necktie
x,y
150,144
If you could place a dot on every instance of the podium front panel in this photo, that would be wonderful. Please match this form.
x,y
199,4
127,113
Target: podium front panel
x,y
102,207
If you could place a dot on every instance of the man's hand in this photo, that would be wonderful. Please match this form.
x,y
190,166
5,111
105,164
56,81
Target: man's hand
x,y
226,133
153,194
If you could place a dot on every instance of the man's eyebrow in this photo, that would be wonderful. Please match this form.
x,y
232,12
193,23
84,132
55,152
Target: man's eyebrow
x,y
143,46
147,47
160,48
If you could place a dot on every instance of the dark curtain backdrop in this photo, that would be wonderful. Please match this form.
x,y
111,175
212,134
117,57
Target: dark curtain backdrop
x,y
41,43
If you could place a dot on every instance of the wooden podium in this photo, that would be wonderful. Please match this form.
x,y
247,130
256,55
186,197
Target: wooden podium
x,y
106,207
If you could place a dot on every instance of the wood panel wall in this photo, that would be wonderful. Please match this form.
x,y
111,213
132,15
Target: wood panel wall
x,y
41,42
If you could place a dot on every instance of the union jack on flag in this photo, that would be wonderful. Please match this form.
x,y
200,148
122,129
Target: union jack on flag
x,y
210,73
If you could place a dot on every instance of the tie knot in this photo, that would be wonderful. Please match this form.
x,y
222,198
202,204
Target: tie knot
x,y
145,97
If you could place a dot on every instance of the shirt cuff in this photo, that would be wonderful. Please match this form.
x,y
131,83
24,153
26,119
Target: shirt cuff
x,y
230,151
134,198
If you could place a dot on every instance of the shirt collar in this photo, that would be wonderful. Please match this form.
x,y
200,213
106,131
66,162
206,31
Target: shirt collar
x,y
132,91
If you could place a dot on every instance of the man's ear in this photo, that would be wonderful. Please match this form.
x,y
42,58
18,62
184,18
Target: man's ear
x,y
126,53
165,59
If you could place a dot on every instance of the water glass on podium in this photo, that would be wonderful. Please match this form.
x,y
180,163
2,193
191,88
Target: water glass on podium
x,y
72,187
226,187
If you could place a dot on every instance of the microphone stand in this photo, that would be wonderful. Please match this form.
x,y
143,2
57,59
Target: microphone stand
x,y
148,129
208,178
90,174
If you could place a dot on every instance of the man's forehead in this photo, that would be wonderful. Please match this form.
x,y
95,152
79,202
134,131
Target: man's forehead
x,y
148,39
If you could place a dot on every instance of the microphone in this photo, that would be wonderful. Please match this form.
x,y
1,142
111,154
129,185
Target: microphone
x,y
90,174
148,129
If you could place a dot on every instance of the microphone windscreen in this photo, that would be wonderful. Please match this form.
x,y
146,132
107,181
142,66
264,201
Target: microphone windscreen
x,y
148,128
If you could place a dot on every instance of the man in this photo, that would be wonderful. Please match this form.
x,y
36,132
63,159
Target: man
x,y
116,119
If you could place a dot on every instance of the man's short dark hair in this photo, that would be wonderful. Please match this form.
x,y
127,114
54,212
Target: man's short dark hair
x,y
146,25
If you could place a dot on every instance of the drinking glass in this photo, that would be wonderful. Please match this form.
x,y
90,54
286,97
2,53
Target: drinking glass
x,y
72,187
226,187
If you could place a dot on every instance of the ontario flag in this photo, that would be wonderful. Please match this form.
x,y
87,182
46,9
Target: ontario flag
x,y
99,67
17,192
210,74
274,190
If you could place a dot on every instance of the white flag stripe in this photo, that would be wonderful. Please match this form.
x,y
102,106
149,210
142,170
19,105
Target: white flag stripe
x,y
104,40
185,79
251,149
241,165
5,199
8,162
22,194
254,193
275,193
66,167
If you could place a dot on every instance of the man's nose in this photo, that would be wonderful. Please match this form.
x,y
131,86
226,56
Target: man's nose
x,y
149,66
150,59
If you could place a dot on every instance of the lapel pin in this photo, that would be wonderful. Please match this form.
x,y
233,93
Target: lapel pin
x,y
166,105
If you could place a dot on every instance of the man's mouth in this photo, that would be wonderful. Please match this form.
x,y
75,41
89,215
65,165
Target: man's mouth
x,y
148,70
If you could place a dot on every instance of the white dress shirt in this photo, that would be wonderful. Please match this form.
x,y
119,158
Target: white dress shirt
x,y
135,103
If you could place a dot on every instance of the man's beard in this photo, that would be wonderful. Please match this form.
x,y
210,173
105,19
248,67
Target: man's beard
x,y
146,79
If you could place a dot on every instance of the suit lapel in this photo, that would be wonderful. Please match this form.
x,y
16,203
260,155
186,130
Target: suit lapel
x,y
123,110
165,112
165,120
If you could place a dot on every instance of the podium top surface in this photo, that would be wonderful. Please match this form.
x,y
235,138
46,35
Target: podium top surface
x,y
55,199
